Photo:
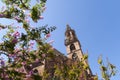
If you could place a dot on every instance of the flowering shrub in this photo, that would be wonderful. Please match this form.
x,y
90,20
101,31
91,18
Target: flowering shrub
x,y
18,44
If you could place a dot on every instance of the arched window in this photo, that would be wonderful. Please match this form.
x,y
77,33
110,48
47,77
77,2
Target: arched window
x,y
72,47
74,56
35,71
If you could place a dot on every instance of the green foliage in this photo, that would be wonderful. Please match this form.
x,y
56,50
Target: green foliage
x,y
72,71
43,0
17,45
37,77
35,13
106,71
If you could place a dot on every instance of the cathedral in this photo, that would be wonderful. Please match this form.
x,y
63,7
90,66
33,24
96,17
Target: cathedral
x,y
74,54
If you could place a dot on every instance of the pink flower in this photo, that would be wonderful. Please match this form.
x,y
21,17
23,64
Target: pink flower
x,y
41,17
43,55
50,42
17,18
32,43
16,34
23,63
47,35
30,65
27,20
2,15
28,76
37,60
9,55
17,69
2,63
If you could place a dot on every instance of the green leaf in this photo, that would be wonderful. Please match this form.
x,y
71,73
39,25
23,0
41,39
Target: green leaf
x,y
25,25
35,13
44,1
100,60
112,66
103,68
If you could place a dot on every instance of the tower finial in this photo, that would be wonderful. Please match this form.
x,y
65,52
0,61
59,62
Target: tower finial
x,y
68,27
70,35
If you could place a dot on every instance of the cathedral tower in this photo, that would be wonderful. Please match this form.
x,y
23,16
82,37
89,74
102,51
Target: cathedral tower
x,y
73,46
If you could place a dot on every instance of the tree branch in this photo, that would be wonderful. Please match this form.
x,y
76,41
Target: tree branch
x,y
24,4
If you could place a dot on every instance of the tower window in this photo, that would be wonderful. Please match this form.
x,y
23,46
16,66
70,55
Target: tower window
x,y
74,56
35,72
72,47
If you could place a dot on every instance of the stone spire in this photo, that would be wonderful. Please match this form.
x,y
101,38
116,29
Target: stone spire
x,y
70,35
68,27
73,47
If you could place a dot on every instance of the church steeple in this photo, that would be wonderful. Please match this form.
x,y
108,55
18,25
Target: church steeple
x,y
70,35
73,46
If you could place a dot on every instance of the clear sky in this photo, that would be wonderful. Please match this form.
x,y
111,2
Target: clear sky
x,y
97,25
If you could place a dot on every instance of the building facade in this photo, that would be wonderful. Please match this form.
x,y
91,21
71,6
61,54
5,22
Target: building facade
x,y
74,55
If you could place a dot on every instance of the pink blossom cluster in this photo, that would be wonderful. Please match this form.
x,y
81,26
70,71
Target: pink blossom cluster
x,y
16,35
51,41
2,15
17,18
31,45
2,63
41,17
12,56
47,36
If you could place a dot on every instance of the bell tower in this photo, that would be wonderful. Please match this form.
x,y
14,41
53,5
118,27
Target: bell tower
x,y
73,46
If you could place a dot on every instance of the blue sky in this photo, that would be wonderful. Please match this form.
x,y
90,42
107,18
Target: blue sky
x,y
97,25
